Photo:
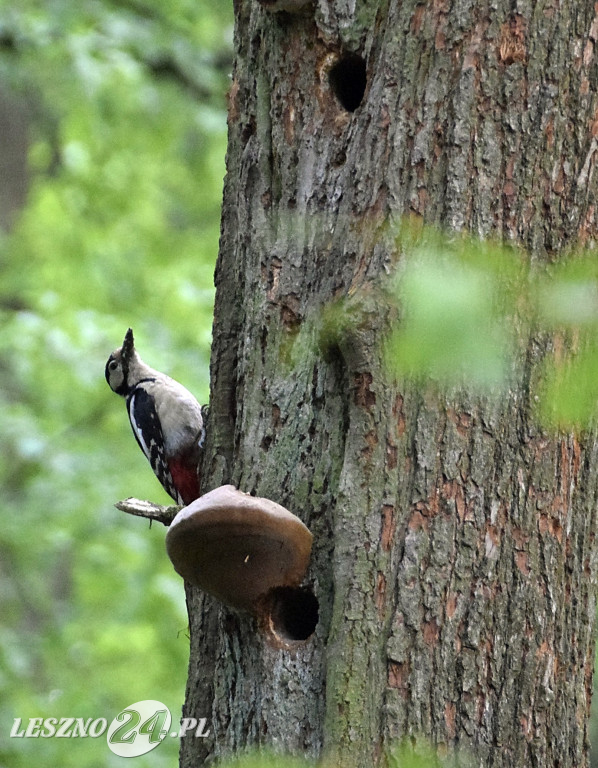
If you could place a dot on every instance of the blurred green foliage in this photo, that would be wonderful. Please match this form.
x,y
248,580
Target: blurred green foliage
x,y
415,752
457,299
265,759
466,310
566,301
123,107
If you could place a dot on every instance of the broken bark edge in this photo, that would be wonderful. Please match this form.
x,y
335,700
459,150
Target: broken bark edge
x,y
149,510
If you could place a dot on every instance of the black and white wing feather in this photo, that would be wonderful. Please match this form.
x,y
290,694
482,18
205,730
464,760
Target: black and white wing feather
x,y
148,433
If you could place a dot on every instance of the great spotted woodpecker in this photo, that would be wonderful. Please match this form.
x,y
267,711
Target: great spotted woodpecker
x,y
166,420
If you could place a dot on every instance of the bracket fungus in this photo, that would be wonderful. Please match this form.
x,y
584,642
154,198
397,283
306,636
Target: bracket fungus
x,y
238,547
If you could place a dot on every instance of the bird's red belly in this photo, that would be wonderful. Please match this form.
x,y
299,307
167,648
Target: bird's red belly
x,y
185,479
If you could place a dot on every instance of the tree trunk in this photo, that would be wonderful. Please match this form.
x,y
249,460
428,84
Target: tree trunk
x,y
453,557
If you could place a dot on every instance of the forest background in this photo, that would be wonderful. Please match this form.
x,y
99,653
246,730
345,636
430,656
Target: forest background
x,y
112,151
112,147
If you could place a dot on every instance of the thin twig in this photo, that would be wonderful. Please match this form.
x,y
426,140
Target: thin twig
x,y
142,508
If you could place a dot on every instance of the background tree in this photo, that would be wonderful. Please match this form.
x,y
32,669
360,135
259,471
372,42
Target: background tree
x,y
453,559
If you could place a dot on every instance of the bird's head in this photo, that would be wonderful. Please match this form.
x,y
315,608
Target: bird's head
x,y
117,366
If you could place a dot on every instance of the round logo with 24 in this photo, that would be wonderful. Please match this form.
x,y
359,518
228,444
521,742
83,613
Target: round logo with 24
x,y
139,728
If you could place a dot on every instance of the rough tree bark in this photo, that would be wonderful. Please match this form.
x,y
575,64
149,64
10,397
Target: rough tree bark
x,y
453,552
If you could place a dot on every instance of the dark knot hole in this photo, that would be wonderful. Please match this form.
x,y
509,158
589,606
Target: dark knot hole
x,y
293,613
347,79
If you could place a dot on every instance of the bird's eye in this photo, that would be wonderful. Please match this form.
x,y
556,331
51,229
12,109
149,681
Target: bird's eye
x,y
113,365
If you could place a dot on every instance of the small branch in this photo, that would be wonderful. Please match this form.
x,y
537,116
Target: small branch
x,y
141,508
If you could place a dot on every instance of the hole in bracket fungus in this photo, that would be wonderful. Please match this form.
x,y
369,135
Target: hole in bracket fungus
x,y
291,613
347,79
